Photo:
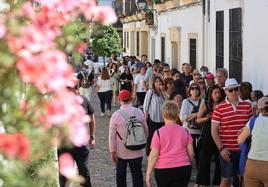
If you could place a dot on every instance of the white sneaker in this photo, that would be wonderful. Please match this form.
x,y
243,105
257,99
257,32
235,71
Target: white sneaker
x,y
102,114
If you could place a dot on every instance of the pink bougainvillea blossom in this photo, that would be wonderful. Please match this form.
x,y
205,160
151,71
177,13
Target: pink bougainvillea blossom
x,y
66,108
103,14
2,30
66,165
15,145
48,70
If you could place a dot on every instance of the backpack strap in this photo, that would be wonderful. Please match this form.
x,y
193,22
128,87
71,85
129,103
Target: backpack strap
x,y
158,134
119,136
191,102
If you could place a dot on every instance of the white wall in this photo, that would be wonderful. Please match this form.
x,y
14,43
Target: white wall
x,y
255,44
254,39
190,21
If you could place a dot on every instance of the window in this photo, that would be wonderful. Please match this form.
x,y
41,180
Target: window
x,y
219,39
138,44
163,49
235,43
193,52
127,39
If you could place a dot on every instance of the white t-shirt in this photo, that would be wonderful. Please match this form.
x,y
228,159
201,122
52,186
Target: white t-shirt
x,y
140,80
105,85
259,145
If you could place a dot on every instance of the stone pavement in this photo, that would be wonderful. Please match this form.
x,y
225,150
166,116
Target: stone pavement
x,y
102,169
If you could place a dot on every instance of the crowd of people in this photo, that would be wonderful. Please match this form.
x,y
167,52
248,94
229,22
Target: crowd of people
x,y
190,117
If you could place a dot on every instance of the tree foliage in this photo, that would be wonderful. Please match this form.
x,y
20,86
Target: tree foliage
x,y
105,41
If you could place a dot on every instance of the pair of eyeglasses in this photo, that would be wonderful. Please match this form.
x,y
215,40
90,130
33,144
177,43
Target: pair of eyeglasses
x,y
201,82
233,89
166,71
194,88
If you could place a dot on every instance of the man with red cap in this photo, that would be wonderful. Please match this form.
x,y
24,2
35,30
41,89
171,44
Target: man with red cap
x,y
122,156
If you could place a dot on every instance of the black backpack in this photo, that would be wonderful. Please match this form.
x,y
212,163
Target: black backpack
x,y
192,123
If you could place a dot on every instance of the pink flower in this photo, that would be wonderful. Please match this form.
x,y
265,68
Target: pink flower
x,y
79,134
15,145
103,14
2,30
48,70
66,165
65,108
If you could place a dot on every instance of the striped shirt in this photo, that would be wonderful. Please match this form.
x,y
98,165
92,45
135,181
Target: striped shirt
x,y
154,107
231,120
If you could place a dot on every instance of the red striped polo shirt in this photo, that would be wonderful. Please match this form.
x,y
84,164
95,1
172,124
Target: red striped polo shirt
x,y
231,120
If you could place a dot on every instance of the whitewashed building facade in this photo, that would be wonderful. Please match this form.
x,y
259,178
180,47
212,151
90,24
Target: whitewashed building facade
x,y
177,36
236,38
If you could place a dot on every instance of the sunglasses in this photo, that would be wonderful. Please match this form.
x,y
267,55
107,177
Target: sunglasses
x,y
166,71
233,89
194,88
201,82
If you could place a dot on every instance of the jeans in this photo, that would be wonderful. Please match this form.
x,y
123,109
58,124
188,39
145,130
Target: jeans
x,y
105,98
173,177
230,169
87,92
135,169
80,155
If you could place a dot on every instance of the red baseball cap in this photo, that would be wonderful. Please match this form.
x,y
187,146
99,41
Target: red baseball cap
x,y
125,95
209,76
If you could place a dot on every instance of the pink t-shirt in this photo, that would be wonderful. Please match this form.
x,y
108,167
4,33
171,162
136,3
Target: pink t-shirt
x,y
172,146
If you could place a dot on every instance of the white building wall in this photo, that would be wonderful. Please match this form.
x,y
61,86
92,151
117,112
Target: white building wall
x,y
255,44
190,21
254,39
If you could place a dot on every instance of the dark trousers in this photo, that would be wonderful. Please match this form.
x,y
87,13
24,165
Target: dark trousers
x,y
141,97
135,169
196,150
173,177
207,149
80,155
152,127
105,98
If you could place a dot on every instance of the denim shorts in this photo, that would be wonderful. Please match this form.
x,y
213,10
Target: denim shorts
x,y
230,169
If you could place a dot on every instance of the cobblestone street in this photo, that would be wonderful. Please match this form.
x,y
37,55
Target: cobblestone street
x,y
101,167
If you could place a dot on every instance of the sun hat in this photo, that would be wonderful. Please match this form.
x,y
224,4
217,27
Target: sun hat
x,y
231,83
263,102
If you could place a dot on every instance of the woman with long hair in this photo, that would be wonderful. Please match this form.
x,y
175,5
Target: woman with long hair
x,y
168,87
207,147
152,108
202,84
115,84
104,90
